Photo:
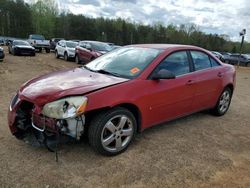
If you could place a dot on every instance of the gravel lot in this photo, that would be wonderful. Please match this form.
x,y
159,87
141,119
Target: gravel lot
x,y
197,151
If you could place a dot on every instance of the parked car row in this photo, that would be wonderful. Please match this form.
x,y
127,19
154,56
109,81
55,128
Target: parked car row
x,y
244,59
233,59
83,51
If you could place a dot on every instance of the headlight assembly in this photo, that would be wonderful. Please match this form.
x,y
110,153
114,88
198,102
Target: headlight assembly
x,y
68,107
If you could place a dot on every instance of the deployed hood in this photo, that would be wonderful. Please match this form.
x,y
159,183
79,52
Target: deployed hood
x,y
56,85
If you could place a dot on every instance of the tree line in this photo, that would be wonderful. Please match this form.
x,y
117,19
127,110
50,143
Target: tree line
x,y
19,19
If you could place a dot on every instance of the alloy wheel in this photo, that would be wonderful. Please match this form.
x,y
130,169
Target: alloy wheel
x,y
117,133
224,101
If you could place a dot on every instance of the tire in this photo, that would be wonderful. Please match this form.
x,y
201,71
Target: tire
x,y
77,60
223,102
47,50
40,50
66,57
56,54
248,64
110,132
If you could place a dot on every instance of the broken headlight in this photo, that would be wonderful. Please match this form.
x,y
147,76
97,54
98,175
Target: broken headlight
x,y
69,107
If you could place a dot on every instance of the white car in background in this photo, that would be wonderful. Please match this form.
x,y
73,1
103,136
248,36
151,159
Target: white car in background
x,y
65,49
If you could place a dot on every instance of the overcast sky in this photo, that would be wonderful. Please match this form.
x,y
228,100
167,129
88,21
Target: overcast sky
x,y
212,16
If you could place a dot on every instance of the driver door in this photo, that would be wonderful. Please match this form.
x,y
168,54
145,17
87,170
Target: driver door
x,y
171,98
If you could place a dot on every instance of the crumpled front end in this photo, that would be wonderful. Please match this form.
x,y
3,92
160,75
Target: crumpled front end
x,y
27,123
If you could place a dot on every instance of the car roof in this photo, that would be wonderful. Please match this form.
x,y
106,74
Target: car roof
x,y
165,46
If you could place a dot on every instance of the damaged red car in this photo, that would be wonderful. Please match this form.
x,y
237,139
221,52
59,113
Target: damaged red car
x,y
121,93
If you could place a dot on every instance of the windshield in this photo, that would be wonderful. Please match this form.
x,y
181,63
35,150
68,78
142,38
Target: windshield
x,y
71,44
37,37
101,46
126,62
21,43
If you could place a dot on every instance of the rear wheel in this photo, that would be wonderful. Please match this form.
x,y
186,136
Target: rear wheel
x,y
223,102
111,132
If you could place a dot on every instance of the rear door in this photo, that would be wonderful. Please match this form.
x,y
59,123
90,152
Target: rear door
x,y
208,82
171,98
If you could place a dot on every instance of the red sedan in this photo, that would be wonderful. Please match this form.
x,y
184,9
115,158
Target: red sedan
x,y
89,50
121,93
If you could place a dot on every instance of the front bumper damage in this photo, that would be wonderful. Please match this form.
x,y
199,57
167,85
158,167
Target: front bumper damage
x,y
26,123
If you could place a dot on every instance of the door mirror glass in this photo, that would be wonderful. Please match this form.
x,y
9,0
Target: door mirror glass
x,y
163,74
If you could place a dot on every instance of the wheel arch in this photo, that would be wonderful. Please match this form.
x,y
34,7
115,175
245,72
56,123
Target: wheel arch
x,y
129,106
230,86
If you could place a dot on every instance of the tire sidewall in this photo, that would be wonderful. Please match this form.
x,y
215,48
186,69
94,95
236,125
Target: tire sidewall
x,y
101,123
66,56
218,111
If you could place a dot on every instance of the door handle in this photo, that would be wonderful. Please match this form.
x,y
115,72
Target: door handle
x,y
220,74
190,82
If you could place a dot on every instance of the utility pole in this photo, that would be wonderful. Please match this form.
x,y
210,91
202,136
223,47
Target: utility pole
x,y
242,35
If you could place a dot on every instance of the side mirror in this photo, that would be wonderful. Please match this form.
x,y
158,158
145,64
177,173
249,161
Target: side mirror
x,y
89,48
163,74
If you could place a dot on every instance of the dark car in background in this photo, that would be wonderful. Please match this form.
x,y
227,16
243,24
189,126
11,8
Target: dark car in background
x,y
89,50
218,55
53,42
20,47
1,54
235,58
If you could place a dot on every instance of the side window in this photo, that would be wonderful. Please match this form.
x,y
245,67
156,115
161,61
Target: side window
x,y
214,63
201,60
176,63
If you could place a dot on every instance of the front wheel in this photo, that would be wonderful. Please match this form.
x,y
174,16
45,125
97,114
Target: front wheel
x,y
47,50
223,102
111,132
66,57
56,54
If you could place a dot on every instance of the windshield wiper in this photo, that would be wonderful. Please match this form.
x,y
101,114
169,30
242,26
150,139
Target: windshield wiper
x,y
84,66
102,71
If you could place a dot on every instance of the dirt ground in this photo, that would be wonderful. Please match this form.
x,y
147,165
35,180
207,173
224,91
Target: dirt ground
x,y
197,151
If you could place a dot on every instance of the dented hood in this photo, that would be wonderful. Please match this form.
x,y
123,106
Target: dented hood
x,y
56,85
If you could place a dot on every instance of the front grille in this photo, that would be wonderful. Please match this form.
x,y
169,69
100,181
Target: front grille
x,y
26,51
